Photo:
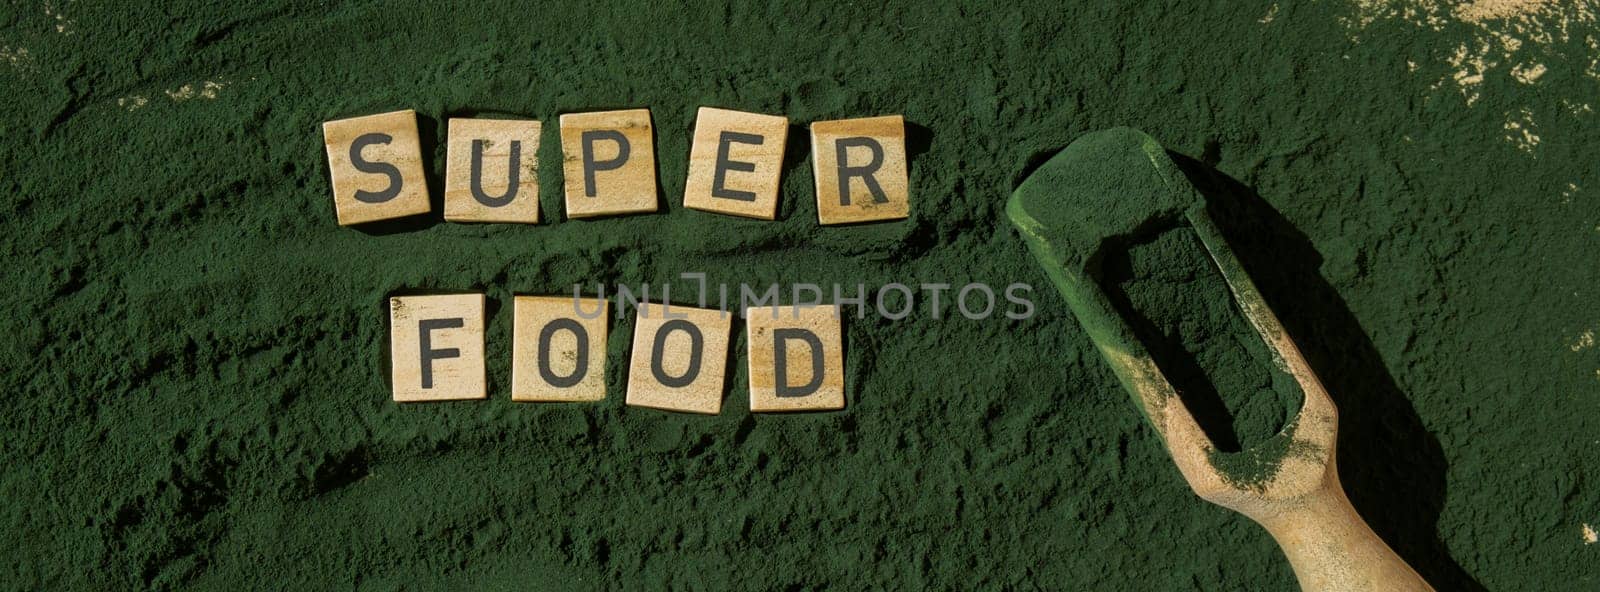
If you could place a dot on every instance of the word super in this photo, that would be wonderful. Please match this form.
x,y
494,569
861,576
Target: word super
x,y
678,363
608,166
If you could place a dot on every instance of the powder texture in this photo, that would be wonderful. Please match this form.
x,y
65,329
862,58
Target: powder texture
x,y
195,353
1108,220
1186,317
1102,190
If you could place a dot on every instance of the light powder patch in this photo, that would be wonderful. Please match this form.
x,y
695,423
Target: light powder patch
x,y
1590,537
1528,74
1467,66
206,90
1420,12
1519,130
1504,33
1566,195
1583,342
1543,22
1367,11
64,25
132,102
19,58
1497,9
1272,13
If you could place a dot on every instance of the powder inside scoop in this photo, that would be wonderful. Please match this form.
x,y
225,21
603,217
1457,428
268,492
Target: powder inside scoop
x,y
1184,314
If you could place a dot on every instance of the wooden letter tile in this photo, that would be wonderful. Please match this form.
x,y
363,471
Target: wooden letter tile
x,y
376,164
679,362
609,161
860,169
796,358
492,171
735,161
436,347
556,353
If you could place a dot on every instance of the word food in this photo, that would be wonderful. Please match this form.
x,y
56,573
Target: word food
x,y
491,173
558,353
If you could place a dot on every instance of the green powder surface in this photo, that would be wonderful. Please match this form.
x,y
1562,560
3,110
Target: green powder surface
x,y
195,355
1187,319
1254,468
1100,191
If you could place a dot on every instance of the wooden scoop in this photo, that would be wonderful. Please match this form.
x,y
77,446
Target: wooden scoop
x,y
1093,196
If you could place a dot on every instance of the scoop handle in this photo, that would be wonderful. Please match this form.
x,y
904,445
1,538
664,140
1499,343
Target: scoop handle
x,y
1333,550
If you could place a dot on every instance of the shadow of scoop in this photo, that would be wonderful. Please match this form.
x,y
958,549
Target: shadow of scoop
x,y
1391,467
